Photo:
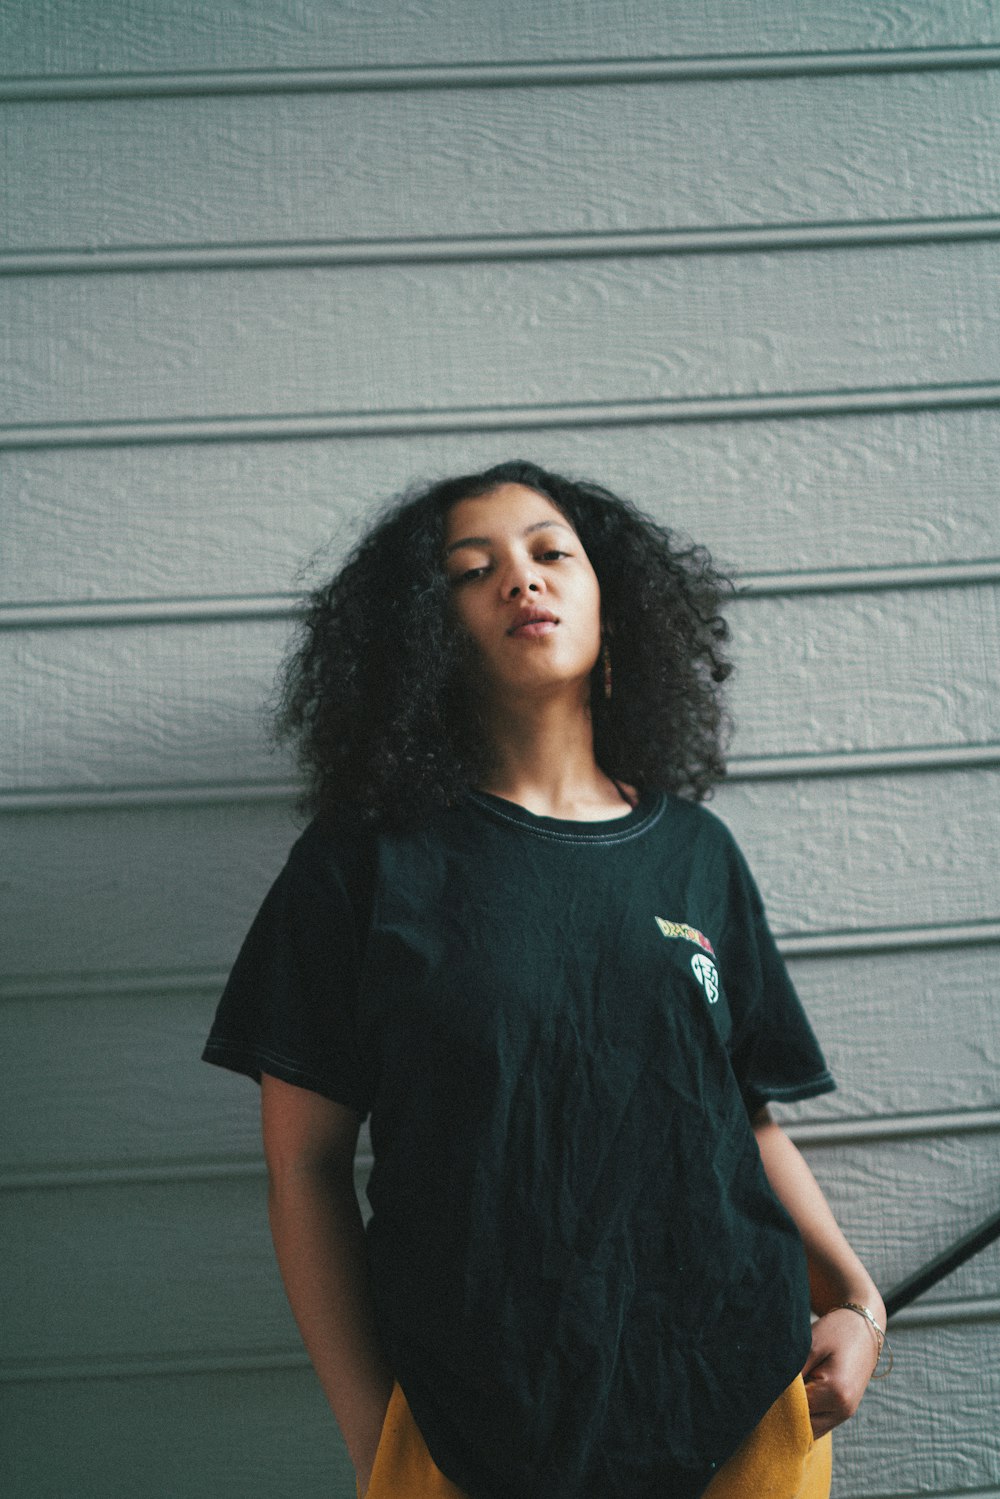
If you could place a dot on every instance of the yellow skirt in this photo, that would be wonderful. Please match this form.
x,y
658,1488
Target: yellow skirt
x,y
778,1460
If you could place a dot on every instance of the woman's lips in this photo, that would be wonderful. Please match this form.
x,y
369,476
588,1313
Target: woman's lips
x,y
534,627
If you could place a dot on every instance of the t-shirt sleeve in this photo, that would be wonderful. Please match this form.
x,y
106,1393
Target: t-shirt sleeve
x,y
774,1050
290,1006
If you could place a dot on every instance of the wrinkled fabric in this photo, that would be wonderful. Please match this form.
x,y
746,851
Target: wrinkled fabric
x,y
582,1278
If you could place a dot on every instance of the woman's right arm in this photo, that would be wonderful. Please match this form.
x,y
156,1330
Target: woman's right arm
x,y
316,1224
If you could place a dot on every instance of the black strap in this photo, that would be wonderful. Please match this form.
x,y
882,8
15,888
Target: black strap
x,y
943,1264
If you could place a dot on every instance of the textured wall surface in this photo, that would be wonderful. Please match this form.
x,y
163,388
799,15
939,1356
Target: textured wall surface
x,y
263,263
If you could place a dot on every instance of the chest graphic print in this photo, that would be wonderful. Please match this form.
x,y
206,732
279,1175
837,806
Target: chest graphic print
x,y
689,933
702,967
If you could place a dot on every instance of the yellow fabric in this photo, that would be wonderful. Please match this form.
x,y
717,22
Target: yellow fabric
x,y
778,1460
403,1467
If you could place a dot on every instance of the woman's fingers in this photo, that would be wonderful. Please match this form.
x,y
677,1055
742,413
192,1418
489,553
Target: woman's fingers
x,y
841,1362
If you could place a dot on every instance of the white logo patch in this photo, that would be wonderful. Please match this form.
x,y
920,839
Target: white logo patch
x,y
707,975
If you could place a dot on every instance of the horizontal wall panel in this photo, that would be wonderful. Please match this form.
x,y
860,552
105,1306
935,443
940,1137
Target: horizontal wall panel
x,y
904,1033
139,890
119,1082
131,347
160,703
113,1081
181,1269
929,1429
305,167
72,36
858,852
165,702
109,1273
152,890
864,671
766,496
175,1436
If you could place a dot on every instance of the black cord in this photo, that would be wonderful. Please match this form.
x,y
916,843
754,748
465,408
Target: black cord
x,y
943,1264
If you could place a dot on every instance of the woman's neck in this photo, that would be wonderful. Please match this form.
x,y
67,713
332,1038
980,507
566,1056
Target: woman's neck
x,y
545,762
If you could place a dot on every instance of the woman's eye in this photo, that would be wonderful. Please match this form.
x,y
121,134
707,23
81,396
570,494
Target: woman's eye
x,y
469,576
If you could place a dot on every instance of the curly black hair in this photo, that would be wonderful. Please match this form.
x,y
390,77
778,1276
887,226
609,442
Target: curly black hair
x,y
373,692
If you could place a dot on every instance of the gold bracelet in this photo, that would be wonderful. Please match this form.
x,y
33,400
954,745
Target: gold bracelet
x,y
880,1337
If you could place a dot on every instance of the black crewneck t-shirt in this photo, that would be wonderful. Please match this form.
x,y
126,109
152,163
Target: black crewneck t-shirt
x,y
583,1281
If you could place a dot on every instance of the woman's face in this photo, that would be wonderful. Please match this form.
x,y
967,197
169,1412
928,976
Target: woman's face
x,y
524,589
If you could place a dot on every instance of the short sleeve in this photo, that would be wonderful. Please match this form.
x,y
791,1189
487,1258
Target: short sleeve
x,y
290,1006
774,1050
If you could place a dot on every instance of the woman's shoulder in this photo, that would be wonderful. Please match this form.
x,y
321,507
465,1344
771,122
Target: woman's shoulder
x,y
331,851
704,833
342,846
684,811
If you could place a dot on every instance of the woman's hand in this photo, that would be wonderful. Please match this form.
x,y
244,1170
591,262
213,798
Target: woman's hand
x,y
841,1362
844,1344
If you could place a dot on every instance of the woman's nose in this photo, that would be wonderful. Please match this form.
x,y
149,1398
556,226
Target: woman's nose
x,y
521,577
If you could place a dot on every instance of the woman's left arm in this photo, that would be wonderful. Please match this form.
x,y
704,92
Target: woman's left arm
x,y
844,1346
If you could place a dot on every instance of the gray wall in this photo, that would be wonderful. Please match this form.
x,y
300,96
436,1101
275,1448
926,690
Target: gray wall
x,y
755,290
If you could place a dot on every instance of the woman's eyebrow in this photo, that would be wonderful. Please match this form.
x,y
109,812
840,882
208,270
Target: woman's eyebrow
x,y
484,541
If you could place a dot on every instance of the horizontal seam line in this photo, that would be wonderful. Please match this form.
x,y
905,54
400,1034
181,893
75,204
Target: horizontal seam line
x,y
833,943
936,1313
833,763
572,243
630,412
154,1367
206,608
939,1123
25,88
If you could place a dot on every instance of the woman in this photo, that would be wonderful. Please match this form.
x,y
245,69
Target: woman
x,y
513,937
